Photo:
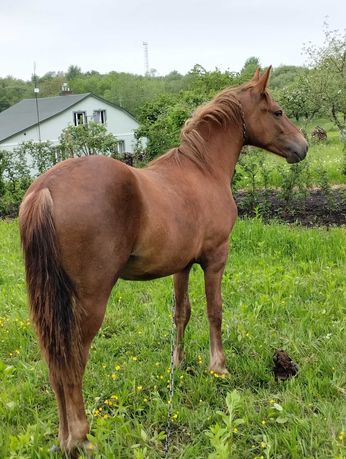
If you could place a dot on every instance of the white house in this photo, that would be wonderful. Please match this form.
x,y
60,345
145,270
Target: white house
x,y
44,118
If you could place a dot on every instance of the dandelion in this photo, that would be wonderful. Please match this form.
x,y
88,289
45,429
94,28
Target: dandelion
x,y
134,358
114,376
235,430
114,397
117,367
341,436
139,388
264,422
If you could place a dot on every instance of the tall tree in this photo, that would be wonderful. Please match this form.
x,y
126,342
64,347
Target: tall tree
x,y
327,78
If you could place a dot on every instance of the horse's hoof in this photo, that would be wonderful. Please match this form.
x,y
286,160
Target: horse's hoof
x,y
178,358
221,371
88,448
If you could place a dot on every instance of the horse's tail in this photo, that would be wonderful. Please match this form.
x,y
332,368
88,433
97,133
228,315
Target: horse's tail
x,y
52,295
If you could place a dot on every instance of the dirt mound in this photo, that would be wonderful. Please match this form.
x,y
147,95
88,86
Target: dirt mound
x,y
315,208
284,367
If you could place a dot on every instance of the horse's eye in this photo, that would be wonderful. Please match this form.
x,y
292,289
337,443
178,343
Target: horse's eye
x,y
278,113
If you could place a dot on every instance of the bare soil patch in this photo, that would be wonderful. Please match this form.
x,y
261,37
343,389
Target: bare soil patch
x,y
315,208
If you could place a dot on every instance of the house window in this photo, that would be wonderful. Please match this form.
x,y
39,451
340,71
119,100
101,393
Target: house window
x,y
121,146
100,116
79,118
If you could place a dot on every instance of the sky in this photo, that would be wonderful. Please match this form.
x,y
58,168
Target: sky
x,y
108,35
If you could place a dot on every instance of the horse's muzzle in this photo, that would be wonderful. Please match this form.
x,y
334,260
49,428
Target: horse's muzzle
x,y
297,151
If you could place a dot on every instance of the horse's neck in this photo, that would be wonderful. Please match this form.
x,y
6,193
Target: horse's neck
x,y
223,149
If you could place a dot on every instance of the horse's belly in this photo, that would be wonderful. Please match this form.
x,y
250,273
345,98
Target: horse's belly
x,y
140,268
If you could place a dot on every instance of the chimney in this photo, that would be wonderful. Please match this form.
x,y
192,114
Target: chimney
x,y
65,90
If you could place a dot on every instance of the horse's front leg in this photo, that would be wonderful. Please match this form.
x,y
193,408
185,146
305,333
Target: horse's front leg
x,y
213,269
182,311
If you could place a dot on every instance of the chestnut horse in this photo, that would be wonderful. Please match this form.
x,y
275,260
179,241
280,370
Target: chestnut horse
x,y
89,221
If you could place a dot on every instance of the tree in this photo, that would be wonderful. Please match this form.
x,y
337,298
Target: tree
x,y
249,68
87,139
162,118
73,72
12,91
298,98
327,78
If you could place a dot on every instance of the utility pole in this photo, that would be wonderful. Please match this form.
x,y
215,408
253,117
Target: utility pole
x,y
146,58
36,92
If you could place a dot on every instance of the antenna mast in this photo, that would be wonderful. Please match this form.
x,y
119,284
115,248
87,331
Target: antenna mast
x,y
36,91
146,58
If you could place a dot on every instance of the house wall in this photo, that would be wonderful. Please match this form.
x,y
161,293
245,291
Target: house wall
x,y
118,123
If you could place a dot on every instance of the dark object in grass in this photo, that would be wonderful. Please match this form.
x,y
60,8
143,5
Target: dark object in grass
x,y
319,134
284,367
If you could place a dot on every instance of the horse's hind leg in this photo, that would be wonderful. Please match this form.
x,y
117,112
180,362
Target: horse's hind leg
x,y
58,388
78,426
182,311
213,270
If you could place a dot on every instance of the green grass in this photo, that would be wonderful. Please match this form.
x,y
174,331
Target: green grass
x,y
284,287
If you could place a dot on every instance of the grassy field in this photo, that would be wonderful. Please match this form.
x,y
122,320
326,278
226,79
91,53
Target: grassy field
x,y
284,287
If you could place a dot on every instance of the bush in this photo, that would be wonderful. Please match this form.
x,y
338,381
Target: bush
x,y
19,167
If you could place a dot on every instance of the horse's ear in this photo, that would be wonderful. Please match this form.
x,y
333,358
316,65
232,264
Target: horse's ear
x,y
263,81
256,75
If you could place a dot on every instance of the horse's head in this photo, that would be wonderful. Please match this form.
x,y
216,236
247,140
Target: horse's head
x,y
266,125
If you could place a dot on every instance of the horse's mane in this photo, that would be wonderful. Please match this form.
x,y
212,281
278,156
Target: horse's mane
x,y
222,111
